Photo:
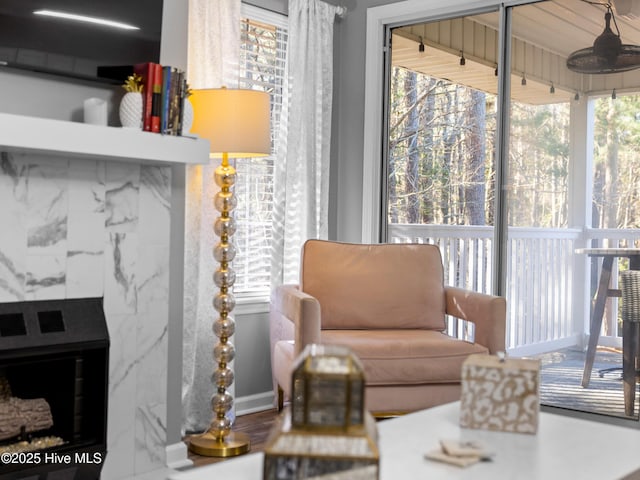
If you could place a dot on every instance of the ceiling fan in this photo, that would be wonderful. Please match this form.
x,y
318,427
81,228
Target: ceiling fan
x,y
608,54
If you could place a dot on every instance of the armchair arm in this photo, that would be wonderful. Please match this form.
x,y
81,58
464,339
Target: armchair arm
x,y
294,315
487,312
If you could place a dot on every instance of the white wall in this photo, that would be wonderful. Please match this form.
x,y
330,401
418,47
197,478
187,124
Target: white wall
x,y
348,125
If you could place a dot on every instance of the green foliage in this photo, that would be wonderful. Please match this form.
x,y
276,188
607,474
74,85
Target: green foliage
x,y
616,202
539,165
430,125
442,153
454,133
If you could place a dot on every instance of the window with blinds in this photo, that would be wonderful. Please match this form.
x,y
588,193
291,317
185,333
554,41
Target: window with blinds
x,y
262,63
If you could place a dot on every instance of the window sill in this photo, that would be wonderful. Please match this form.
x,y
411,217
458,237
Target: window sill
x,y
247,305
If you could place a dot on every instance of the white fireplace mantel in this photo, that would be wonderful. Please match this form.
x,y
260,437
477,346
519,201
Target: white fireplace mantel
x,y
20,133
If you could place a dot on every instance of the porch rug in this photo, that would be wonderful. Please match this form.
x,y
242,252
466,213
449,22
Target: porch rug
x,y
561,377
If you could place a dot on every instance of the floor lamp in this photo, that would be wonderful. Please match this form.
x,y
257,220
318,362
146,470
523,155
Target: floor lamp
x,y
236,123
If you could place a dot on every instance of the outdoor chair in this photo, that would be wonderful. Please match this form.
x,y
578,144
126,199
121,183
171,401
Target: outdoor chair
x,y
630,283
630,313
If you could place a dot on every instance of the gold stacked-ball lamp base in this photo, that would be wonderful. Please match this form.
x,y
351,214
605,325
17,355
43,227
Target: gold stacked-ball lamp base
x,y
233,444
220,440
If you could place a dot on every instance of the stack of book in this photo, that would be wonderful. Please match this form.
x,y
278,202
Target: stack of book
x,y
164,92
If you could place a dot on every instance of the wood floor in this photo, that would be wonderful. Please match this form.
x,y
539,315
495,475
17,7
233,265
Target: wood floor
x,y
256,425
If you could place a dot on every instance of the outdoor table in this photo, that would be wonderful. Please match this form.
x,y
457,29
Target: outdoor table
x,y
629,374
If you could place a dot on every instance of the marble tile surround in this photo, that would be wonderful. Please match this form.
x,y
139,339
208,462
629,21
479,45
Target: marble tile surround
x,y
74,228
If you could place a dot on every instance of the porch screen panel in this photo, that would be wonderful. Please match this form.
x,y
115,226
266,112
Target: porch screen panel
x,y
441,143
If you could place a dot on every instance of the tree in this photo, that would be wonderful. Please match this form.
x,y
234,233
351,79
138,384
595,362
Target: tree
x,y
474,188
437,152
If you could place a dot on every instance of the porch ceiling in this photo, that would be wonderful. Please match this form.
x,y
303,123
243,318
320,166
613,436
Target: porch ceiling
x,y
476,73
544,34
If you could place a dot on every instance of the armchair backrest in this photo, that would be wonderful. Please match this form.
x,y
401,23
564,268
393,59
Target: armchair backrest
x,y
377,286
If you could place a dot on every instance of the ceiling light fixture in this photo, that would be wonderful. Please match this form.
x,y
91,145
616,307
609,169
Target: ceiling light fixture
x,y
608,54
421,46
463,61
523,82
86,19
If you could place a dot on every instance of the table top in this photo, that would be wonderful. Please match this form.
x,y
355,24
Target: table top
x,y
614,251
564,447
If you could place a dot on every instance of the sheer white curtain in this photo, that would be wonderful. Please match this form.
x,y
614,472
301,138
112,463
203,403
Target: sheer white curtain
x,y
214,51
301,175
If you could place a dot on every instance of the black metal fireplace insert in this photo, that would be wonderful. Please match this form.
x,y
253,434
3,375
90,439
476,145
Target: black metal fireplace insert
x,y
54,362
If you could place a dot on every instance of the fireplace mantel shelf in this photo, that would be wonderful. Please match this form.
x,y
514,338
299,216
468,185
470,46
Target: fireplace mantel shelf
x,y
72,139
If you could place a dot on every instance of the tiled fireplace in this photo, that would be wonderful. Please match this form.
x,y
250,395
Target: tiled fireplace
x,y
81,228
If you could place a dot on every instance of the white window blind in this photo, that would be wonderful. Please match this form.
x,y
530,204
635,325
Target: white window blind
x,y
262,63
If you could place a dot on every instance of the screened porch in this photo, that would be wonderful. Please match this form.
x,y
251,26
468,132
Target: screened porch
x,y
550,297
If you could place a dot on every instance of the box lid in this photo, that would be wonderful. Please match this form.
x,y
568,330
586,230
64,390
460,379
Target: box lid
x,y
482,360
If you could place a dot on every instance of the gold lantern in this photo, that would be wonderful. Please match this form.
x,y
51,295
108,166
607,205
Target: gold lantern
x,y
326,429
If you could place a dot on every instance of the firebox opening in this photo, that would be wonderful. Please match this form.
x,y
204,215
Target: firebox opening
x,y
54,365
76,397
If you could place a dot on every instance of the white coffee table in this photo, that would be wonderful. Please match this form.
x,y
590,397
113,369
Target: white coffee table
x,y
564,448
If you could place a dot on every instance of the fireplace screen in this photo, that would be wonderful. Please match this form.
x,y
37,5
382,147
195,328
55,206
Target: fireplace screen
x,y
53,389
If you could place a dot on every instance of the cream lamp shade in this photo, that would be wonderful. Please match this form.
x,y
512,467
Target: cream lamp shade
x,y
235,121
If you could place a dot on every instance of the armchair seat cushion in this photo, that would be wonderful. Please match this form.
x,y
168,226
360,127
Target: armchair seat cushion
x,y
403,357
392,357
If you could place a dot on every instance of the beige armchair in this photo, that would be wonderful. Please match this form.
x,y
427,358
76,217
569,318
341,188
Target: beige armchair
x,y
387,303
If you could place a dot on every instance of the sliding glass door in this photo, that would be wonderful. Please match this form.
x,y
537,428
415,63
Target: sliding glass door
x,y
514,148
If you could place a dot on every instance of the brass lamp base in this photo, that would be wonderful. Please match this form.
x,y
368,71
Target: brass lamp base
x,y
206,444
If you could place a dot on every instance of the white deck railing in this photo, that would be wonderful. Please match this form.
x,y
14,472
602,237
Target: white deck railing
x,y
549,288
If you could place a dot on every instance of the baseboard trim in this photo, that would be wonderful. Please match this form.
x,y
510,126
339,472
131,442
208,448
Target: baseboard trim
x,y
257,402
177,456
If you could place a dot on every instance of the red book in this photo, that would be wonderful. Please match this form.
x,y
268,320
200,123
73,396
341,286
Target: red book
x,y
145,70
156,98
